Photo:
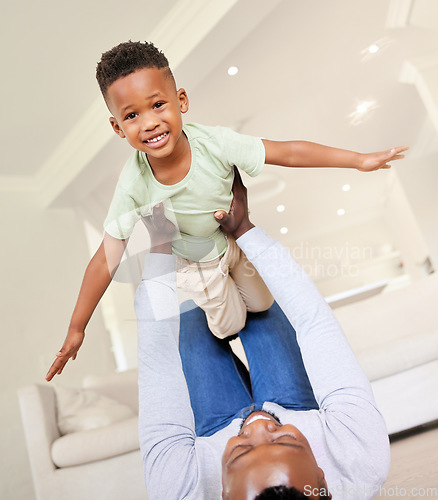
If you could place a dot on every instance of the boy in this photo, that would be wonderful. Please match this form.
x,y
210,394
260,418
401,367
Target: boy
x,y
190,170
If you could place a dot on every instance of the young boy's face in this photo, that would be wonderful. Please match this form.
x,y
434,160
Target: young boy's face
x,y
146,110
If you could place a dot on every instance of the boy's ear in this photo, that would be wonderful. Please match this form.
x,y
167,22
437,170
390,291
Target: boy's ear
x,y
116,127
183,100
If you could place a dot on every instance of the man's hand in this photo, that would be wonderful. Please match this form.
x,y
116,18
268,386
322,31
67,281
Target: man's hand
x,y
160,229
71,346
369,162
236,222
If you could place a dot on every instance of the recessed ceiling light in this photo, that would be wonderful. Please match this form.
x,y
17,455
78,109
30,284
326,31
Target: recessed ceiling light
x,y
284,230
362,112
280,208
369,52
233,70
340,211
363,107
346,187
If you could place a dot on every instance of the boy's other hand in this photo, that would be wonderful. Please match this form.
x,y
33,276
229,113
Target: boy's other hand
x,y
368,162
70,349
236,222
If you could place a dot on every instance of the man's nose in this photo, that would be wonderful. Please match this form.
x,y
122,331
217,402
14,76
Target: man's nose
x,y
260,430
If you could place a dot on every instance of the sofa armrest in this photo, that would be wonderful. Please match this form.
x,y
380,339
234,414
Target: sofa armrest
x,y
38,413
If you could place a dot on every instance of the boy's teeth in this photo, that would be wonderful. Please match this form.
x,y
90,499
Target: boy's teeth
x,y
156,139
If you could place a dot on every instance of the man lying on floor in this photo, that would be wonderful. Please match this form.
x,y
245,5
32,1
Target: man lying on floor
x,y
301,424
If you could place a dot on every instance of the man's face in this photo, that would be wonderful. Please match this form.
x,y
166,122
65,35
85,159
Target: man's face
x,y
147,109
266,453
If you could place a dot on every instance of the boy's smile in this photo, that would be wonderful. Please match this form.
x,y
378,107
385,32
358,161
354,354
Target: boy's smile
x,y
146,110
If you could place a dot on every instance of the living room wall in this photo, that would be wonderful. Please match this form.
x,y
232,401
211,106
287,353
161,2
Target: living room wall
x,y
43,257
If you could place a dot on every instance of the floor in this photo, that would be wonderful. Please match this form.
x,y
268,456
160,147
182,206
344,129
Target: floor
x,y
414,467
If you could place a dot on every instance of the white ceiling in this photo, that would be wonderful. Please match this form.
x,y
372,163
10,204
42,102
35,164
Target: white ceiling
x,y
49,50
303,70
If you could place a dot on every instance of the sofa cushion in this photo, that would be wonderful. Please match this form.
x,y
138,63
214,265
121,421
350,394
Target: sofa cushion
x,y
394,330
81,410
121,386
395,356
390,315
96,444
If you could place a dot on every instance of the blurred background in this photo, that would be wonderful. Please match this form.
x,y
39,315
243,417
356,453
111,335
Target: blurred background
x,y
360,75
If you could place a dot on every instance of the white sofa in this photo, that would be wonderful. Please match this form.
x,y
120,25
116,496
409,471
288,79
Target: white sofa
x,y
395,338
394,335
102,463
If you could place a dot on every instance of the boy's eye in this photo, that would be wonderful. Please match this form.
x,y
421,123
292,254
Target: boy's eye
x,y
158,104
130,116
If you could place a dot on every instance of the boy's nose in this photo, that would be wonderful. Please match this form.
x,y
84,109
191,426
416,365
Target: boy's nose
x,y
149,122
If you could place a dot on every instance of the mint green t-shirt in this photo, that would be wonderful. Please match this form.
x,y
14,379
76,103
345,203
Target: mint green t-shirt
x,y
190,203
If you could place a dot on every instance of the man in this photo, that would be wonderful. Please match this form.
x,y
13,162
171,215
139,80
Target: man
x,y
193,393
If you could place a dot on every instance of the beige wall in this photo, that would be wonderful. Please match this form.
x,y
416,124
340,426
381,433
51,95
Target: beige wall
x,y
43,256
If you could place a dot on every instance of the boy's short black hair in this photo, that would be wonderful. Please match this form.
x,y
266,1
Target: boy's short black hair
x,y
125,58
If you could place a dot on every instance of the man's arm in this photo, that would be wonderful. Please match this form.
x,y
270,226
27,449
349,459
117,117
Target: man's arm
x,y
310,154
97,277
166,421
330,364
339,384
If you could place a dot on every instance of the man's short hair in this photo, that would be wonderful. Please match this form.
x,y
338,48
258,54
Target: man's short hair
x,y
284,493
126,58
280,493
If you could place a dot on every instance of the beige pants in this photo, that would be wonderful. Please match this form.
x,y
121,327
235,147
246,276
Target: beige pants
x,y
225,289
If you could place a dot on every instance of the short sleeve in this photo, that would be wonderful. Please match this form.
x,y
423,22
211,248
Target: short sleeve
x,y
244,151
122,216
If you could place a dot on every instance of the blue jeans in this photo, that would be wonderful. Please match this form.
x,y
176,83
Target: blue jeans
x,y
220,386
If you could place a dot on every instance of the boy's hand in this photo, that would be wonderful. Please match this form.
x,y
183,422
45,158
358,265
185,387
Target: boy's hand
x,y
70,349
375,161
160,229
236,222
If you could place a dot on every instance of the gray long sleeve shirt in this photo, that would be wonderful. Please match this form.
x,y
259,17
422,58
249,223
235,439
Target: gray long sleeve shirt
x,y
347,434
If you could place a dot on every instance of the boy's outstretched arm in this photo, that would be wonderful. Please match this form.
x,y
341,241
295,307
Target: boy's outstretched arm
x,y
310,154
97,277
